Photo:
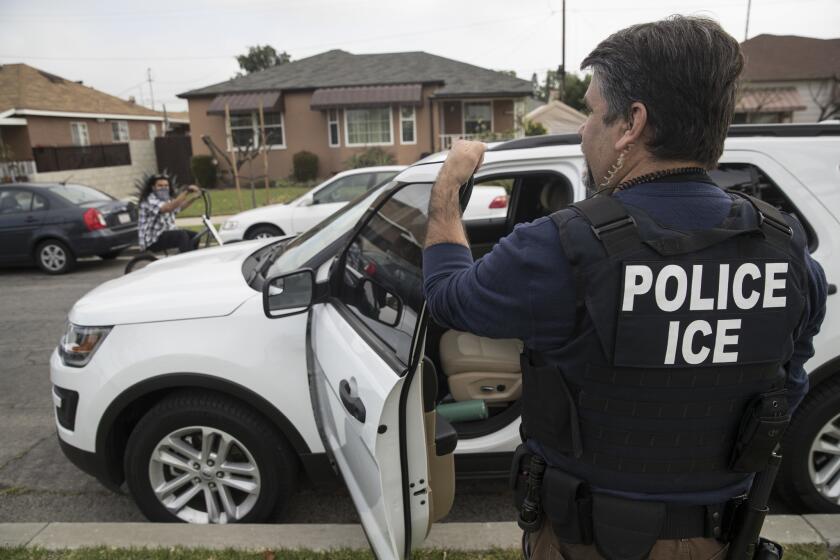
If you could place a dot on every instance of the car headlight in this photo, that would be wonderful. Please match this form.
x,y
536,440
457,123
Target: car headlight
x,y
230,224
79,344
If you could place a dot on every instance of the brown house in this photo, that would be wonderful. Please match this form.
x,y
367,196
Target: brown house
x,y
789,79
40,112
336,104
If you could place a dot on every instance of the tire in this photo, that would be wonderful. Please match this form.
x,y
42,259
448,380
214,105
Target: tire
x,y
109,256
263,231
181,417
140,261
54,257
819,413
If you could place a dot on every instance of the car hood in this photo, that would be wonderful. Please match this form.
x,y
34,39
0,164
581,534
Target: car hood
x,y
203,283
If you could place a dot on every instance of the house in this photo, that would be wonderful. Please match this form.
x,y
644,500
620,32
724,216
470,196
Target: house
x,y
51,128
557,117
336,104
789,79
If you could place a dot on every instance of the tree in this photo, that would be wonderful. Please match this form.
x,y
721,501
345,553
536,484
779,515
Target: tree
x,y
511,73
261,57
827,98
573,92
535,86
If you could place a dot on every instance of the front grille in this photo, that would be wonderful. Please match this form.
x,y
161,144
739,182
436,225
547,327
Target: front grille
x,y
66,413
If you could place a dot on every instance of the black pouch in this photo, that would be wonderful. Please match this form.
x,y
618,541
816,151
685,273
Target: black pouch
x,y
625,529
518,479
567,503
762,426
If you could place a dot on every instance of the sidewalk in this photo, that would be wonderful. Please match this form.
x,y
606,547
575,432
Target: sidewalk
x,y
787,529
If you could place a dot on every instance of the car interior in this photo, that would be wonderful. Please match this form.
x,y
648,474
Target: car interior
x,y
479,380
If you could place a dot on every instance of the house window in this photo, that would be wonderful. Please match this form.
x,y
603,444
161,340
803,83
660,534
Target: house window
x,y
152,131
119,131
408,124
79,133
245,130
478,117
365,127
332,127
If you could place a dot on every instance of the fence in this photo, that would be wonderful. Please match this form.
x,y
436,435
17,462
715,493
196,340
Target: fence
x,y
15,170
62,158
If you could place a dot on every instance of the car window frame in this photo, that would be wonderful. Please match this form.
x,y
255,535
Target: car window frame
x,y
336,279
15,193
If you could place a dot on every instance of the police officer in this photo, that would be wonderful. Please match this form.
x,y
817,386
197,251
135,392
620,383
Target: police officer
x,y
665,322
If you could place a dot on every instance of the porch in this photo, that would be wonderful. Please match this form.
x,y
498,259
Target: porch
x,y
488,120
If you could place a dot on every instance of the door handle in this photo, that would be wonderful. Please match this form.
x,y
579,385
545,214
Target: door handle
x,y
30,219
353,404
832,289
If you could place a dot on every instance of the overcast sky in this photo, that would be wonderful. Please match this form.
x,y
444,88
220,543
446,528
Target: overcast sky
x,y
190,43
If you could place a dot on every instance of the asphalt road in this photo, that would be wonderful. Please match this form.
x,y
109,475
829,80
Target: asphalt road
x,y
38,484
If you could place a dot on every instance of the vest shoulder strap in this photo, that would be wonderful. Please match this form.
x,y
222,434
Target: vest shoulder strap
x,y
612,225
771,221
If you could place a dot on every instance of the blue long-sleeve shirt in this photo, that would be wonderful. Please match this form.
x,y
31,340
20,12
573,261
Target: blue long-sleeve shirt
x,y
525,288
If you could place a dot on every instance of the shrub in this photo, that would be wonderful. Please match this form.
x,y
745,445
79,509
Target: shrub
x,y
370,157
204,171
305,166
533,128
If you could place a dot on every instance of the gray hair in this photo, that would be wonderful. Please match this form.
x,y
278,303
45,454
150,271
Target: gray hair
x,y
684,70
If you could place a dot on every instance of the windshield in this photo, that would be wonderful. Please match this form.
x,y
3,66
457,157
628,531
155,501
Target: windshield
x,y
79,194
308,245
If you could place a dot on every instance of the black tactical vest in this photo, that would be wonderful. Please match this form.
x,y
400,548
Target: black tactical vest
x,y
677,332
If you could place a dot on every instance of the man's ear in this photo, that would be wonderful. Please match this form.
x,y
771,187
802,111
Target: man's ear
x,y
634,128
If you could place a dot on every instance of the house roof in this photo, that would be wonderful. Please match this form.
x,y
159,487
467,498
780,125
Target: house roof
x,y
337,68
769,100
557,117
23,87
788,57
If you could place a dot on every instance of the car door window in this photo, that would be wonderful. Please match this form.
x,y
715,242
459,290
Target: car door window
x,y
15,202
344,189
39,203
382,283
752,180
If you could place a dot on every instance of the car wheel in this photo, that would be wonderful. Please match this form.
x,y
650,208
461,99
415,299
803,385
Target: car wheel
x,y
810,471
109,256
263,231
54,257
206,458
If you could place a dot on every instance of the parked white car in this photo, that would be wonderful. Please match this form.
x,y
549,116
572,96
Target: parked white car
x,y
297,216
307,210
175,380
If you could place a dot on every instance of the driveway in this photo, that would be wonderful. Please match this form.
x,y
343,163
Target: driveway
x,y
38,484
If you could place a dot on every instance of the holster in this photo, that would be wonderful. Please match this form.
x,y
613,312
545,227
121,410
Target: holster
x,y
761,429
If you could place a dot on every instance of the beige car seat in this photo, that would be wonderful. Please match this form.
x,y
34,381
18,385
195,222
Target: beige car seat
x,y
481,368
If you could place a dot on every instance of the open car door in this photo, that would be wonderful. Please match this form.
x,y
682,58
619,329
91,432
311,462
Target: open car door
x,y
372,391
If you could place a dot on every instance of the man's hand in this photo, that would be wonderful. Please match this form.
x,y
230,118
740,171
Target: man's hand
x,y
193,189
462,161
445,225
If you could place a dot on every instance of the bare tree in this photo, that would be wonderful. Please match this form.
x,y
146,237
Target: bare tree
x,y
826,96
753,101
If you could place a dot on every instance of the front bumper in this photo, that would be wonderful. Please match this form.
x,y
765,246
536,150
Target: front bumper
x,y
92,464
103,241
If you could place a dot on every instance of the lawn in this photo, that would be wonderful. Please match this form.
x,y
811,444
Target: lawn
x,y
225,201
792,552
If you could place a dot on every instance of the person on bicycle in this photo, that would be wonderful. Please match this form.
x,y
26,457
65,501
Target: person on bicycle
x,y
156,224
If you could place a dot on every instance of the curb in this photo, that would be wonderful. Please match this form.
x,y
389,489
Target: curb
x,y
786,529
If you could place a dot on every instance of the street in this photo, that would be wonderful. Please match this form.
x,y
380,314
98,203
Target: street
x,y
37,483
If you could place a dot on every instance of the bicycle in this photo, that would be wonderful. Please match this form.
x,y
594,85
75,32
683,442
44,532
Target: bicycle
x,y
201,241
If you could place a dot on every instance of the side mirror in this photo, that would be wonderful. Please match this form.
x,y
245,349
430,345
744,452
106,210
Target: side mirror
x,y
308,201
379,304
288,294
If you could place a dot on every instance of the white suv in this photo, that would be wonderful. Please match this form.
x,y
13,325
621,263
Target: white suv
x,y
176,380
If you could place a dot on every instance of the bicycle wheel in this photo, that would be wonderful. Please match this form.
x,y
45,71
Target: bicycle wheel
x,y
140,261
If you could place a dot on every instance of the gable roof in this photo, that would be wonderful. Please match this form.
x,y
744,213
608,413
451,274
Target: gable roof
x,y
23,87
337,68
789,57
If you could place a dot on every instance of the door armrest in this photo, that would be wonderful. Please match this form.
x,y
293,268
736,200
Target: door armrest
x,y
446,438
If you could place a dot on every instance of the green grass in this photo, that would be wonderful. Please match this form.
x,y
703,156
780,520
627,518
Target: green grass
x,y
225,201
792,552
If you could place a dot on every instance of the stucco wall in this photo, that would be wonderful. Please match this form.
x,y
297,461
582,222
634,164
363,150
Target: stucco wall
x,y
55,131
305,129
116,181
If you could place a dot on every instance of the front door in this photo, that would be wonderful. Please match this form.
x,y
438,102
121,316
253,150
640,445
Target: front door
x,y
366,345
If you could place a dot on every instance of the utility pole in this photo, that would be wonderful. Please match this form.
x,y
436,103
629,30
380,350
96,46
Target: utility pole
x,y
747,29
151,91
561,72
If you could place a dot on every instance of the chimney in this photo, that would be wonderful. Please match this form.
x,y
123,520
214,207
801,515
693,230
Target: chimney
x,y
554,95
132,100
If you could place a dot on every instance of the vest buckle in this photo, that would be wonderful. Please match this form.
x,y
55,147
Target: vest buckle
x,y
783,227
610,226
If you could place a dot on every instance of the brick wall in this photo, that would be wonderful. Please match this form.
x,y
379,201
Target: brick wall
x,y
116,181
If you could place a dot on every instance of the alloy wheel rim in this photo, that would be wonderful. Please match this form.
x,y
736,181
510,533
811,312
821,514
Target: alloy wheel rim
x,y
263,235
204,475
53,257
824,461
